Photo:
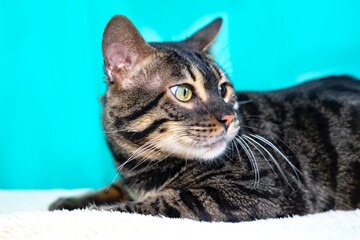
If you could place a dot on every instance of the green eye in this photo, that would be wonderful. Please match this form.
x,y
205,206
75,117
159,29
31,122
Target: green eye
x,y
182,92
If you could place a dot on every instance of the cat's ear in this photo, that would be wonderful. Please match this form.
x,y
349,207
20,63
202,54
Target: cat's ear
x,y
123,49
204,38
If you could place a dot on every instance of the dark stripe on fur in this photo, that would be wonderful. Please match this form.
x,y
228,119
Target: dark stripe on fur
x,y
128,208
333,106
165,170
355,196
145,109
316,125
354,120
170,211
188,68
134,136
156,205
217,71
224,205
251,191
249,109
195,205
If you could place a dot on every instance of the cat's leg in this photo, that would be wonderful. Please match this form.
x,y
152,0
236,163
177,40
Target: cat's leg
x,y
114,193
193,204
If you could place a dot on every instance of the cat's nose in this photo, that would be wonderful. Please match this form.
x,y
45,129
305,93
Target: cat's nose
x,y
227,120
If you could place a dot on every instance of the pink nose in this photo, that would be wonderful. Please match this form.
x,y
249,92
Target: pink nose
x,y
227,119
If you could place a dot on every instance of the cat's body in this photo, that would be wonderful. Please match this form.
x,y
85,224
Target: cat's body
x,y
185,147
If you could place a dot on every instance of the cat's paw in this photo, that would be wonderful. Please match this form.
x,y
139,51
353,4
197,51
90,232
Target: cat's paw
x,y
66,203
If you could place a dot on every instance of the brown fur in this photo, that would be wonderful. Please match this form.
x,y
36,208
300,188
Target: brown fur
x,y
231,157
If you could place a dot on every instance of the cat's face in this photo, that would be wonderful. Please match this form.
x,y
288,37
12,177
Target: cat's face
x,y
166,99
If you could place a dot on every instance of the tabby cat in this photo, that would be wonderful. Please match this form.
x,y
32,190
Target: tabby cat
x,y
188,146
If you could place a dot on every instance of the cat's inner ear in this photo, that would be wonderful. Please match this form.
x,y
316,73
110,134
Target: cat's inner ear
x,y
123,49
204,38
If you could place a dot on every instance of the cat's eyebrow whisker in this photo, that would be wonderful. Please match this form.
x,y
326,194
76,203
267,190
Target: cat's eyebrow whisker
x,y
225,69
226,72
220,54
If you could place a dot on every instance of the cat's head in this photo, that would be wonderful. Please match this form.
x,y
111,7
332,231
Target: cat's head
x,y
166,99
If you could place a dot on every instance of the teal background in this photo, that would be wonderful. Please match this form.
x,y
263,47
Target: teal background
x,y
51,70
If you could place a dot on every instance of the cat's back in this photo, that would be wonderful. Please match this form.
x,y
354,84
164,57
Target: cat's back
x,y
332,102
339,88
320,112
335,94
320,122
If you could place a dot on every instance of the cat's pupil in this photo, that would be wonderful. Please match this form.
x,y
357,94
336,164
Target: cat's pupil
x,y
182,93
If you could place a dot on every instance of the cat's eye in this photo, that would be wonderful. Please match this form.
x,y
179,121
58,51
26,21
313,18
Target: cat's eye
x,y
222,90
182,92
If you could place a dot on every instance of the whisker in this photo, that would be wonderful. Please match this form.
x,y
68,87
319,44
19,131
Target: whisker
x,y
251,142
276,137
251,158
272,158
144,148
237,149
270,144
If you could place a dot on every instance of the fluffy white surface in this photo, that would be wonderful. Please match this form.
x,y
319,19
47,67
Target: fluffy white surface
x,y
23,215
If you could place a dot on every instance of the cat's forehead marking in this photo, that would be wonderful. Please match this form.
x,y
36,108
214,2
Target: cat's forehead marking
x,y
199,84
217,72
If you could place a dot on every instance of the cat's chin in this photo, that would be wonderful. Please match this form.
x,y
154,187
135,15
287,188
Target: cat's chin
x,y
211,149
204,152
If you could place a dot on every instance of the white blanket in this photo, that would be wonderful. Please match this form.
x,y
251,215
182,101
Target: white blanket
x,y
23,215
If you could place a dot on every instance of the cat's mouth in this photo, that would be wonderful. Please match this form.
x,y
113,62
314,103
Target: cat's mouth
x,y
216,146
190,148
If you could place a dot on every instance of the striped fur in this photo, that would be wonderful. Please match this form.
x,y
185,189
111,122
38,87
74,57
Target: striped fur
x,y
286,152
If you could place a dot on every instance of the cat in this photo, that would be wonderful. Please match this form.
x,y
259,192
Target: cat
x,y
188,146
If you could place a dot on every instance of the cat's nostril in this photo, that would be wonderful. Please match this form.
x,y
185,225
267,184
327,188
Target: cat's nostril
x,y
227,119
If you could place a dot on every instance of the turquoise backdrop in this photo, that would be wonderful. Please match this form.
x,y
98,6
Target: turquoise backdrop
x,y
51,69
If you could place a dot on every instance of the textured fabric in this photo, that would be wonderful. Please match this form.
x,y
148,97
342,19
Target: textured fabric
x,y
24,216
